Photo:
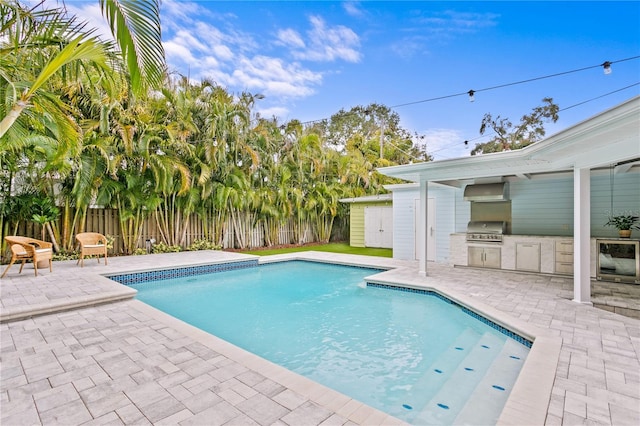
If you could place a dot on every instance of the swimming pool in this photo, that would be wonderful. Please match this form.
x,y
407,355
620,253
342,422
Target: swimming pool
x,y
371,343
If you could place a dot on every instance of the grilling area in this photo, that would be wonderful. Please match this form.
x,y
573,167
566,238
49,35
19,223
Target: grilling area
x,y
541,209
490,212
486,232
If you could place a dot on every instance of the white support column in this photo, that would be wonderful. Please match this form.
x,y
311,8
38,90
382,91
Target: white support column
x,y
422,227
581,235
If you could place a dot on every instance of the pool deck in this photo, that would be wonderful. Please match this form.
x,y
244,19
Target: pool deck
x,y
77,348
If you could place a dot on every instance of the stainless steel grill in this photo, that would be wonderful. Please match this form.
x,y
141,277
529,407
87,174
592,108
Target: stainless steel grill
x,y
487,232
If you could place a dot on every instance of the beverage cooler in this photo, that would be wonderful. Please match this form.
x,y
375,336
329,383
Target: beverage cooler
x,y
618,260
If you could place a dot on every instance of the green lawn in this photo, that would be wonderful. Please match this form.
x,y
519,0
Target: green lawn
x,y
331,248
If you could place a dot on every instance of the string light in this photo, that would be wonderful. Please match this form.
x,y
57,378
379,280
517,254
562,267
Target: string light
x,y
471,95
606,65
466,142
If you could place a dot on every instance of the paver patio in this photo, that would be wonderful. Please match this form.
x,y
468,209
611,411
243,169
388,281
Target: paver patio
x,y
77,349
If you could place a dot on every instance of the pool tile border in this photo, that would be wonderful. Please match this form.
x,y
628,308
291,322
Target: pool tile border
x,y
515,336
188,271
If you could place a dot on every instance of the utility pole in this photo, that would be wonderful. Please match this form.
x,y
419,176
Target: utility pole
x,y
381,138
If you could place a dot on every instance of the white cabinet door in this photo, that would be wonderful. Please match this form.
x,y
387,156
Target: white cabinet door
x,y
378,227
528,257
492,257
484,257
476,256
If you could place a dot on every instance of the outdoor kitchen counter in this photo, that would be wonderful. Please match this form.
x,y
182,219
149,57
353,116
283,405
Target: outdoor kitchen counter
x,y
518,252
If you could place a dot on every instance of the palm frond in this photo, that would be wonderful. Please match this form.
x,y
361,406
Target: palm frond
x,y
135,24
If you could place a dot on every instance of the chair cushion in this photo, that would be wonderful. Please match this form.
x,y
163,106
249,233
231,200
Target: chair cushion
x,y
44,250
92,245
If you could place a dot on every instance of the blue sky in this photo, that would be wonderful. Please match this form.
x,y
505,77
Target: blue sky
x,y
312,58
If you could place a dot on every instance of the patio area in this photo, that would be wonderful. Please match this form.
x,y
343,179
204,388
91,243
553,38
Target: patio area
x,y
77,348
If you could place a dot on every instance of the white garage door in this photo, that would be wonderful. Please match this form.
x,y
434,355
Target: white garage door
x,y
378,227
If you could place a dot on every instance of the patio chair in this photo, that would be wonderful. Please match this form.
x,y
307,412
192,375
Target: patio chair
x,y
91,243
24,248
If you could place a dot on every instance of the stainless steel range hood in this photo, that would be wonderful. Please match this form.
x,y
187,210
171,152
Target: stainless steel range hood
x,y
486,192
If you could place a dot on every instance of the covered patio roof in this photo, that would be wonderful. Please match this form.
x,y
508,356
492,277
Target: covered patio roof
x,y
609,138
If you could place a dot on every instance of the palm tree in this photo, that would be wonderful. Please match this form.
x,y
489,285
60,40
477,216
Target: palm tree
x,y
62,42
39,45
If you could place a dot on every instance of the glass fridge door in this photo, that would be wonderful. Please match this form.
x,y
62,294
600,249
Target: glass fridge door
x,y
617,258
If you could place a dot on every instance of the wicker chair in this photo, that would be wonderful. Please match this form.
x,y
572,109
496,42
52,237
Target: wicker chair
x,y
91,243
24,248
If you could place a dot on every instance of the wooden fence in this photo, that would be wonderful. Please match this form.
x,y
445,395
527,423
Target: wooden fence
x,y
106,222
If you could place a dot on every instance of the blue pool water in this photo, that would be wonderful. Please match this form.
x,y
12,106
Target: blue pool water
x,y
411,355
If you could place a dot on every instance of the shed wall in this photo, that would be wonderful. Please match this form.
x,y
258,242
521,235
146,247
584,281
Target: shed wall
x,y
356,221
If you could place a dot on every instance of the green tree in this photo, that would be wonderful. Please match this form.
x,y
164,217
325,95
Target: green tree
x,y
45,212
509,137
43,43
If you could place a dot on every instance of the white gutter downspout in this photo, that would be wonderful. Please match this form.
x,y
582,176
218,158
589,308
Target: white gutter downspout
x,y
422,227
581,235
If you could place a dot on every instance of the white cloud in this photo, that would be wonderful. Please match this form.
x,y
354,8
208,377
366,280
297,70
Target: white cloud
x,y
209,62
290,38
409,47
190,40
445,143
88,12
426,27
280,112
223,52
182,10
176,52
330,43
451,22
352,8
274,77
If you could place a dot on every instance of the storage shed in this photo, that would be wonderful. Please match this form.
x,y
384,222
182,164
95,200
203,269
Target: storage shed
x,y
371,221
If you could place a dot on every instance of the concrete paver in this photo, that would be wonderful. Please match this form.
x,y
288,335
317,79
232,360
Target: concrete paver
x,y
76,349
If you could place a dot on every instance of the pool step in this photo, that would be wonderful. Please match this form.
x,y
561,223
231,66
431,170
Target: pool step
x,y
485,403
439,371
446,404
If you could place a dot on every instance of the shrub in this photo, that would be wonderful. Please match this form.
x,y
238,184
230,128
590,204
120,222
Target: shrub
x,y
203,245
165,248
110,240
65,255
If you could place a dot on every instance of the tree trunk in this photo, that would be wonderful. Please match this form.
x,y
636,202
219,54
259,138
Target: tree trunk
x,y
12,116
49,228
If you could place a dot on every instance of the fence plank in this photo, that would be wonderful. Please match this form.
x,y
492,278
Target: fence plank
x,y
105,221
